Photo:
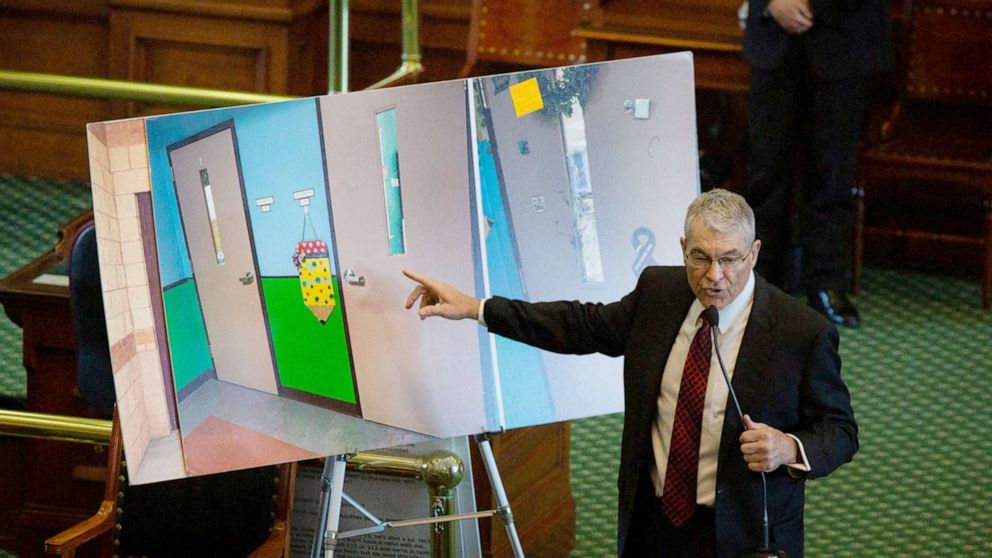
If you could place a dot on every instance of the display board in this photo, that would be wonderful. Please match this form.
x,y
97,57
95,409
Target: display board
x,y
251,257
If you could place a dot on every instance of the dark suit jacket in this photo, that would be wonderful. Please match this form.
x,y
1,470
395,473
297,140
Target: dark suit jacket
x,y
848,37
787,375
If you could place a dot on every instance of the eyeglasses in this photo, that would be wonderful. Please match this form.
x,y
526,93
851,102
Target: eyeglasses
x,y
700,262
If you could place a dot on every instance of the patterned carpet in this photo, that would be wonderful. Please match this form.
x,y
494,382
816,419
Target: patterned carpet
x,y
31,212
919,369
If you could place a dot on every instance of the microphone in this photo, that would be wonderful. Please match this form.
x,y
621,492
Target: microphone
x,y
711,316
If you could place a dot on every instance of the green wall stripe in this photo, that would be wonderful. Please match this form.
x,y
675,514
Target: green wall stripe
x,y
188,346
311,356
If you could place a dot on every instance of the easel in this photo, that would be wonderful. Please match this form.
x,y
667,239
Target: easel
x,y
326,535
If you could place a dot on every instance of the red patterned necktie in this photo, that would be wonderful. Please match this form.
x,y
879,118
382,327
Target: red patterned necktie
x,y
678,499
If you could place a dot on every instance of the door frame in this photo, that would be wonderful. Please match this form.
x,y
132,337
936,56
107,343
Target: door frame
x,y
213,130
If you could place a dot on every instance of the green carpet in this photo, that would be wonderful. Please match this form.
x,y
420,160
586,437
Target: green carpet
x,y
919,370
31,211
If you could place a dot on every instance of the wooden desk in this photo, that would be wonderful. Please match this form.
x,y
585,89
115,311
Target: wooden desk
x,y
708,28
56,482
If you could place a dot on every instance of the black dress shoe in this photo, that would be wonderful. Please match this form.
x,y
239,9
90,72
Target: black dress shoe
x,y
835,306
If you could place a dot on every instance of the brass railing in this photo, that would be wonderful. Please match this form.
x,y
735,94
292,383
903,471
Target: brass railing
x,y
54,427
410,66
440,471
129,90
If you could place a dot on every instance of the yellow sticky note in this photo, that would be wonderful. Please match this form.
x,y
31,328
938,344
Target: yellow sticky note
x,y
526,97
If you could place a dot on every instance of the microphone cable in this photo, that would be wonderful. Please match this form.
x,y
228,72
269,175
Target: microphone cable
x,y
712,316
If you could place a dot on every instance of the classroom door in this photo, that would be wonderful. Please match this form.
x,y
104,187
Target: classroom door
x,y
207,175
401,198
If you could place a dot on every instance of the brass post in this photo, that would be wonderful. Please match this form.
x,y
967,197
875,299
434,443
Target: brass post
x,y
410,65
337,47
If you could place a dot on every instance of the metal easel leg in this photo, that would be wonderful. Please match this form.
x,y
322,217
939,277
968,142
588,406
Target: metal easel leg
x,y
331,491
503,505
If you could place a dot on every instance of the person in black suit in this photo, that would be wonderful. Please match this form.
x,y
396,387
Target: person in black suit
x,y
781,355
812,67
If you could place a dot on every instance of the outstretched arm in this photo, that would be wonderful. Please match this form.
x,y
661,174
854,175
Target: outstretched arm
x,y
438,298
561,327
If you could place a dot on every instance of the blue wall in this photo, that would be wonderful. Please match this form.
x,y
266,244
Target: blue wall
x,y
280,152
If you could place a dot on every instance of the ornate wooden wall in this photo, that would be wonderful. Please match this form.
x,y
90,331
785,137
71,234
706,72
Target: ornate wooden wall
x,y
249,45
43,135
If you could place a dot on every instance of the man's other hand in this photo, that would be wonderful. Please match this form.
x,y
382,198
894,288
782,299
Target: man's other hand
x,y
438,298
765,448
795,16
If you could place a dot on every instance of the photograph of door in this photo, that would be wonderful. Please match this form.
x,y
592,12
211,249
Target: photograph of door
x,y
207,175
261,362
401,195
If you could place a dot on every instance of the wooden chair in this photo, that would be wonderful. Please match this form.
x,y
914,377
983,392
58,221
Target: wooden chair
x,y
230,514
117,503
938,133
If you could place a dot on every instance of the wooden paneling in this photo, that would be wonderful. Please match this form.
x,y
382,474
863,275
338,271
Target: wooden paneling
x,y
238,45
534,465
270,46
42,135
273,46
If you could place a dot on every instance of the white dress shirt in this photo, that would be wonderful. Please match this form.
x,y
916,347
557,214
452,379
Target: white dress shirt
x,y
733,321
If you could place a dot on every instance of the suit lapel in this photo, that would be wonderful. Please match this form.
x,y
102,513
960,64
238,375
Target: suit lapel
x,y
663,326
751,363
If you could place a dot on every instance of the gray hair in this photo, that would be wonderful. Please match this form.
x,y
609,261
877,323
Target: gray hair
x,y
722,211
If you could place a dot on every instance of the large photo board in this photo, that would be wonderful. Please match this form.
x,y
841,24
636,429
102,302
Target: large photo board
x,y
251,257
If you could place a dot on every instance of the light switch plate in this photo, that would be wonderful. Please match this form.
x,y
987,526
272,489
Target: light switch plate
x,y
642,108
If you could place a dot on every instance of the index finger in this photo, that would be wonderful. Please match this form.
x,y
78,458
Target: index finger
x,y
422,279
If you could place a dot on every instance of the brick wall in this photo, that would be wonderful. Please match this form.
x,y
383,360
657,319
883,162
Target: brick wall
x,y
119,170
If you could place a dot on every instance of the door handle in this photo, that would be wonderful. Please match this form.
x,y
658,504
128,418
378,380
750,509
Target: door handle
x,y
352,279
248,279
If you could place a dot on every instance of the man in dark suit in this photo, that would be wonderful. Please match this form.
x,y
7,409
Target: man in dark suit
x,y
687,482
812,64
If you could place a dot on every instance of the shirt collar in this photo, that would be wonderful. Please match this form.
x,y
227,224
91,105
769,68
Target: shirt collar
x,y
731,312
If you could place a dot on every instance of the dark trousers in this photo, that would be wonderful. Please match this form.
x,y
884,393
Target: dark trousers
x,y
798,121
652,535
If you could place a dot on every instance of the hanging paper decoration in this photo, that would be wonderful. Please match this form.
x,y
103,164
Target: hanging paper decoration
x,y
314,264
